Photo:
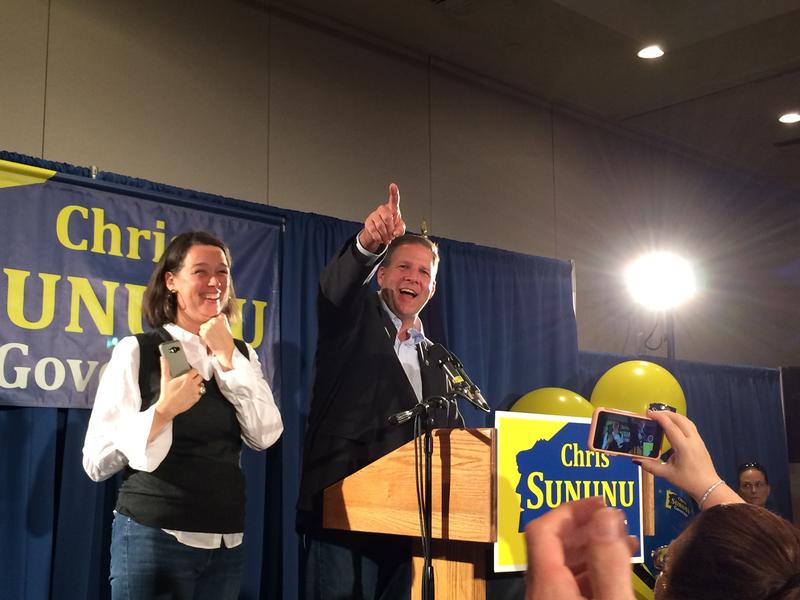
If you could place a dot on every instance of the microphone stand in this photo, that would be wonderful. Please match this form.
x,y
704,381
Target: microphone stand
x,y
428,590
423,430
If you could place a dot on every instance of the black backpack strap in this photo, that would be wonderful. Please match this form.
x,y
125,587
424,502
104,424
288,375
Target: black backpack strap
x,y
149,365
242,348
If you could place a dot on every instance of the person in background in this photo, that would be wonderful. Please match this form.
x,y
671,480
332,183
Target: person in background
x,y
753,483
371,363
178,524
731,551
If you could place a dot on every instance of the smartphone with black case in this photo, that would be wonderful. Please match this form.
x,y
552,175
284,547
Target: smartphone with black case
x,y
625,433
176,359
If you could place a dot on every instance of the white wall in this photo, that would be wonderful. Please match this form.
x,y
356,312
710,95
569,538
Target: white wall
x,y
231,99
617,197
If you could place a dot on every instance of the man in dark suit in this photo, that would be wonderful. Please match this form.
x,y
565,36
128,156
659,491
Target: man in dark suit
x,y
370,364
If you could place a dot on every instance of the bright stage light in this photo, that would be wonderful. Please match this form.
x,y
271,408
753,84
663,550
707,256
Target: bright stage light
x,y
660,280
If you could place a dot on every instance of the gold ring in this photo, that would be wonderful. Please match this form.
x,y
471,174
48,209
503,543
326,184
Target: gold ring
x,y
202,388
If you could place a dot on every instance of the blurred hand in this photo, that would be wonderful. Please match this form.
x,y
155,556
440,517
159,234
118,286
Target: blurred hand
x,y
216,335
579,550
383,224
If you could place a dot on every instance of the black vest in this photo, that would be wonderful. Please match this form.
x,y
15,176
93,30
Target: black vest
x,y
199,486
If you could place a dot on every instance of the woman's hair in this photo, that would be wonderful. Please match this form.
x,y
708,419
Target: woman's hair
x,y
736,552
159,305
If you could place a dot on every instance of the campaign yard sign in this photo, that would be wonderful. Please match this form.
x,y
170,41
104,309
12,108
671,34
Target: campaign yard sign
x,y
542,462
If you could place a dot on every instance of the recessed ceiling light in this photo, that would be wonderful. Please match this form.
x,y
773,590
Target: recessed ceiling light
x,y
654,51
791,117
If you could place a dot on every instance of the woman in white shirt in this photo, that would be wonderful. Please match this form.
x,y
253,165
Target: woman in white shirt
x,y
179,519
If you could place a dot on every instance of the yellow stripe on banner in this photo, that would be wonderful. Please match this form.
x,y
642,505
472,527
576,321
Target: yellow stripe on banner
x,y
13,174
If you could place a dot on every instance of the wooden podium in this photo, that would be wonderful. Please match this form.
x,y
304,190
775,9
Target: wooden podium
x,y
382,498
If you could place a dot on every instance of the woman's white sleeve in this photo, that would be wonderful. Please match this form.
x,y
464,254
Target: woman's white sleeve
x,y
245,387
118,429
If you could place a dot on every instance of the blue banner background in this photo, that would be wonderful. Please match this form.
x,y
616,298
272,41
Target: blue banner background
x,y
31,243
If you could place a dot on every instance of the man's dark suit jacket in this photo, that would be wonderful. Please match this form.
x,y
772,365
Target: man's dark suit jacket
x,y
359,382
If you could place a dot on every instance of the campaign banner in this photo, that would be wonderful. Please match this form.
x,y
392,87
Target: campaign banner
x,y
76,256
542,462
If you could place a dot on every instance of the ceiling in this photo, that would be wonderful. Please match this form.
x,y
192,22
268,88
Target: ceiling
x,y
731,66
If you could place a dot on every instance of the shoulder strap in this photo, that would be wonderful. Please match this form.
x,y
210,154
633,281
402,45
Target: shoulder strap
x,y
149,366
242,348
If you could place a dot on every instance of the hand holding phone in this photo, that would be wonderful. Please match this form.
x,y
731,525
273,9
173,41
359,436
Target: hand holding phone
x,y
176,359
689,466
181,386
625,433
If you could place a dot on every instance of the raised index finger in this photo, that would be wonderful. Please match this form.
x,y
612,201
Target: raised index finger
x,y
394,199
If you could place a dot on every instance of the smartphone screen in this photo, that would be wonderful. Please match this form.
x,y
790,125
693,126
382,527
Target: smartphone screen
x,y
176,359
617,432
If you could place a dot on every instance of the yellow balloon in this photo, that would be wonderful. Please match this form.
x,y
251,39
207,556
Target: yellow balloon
x,y
635,384
554,401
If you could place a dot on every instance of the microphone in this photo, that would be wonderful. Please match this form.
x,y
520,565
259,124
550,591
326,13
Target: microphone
x,y
403,416
419,408
458,377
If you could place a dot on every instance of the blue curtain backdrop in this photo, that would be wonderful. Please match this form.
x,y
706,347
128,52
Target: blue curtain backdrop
x,y
507,316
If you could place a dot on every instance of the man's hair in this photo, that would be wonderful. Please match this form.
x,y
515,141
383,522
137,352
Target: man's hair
x,y
752,465
159,305
736,552
413,238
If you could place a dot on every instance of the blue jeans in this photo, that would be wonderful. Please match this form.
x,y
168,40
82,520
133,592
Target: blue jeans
x,y
357,566
149,564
